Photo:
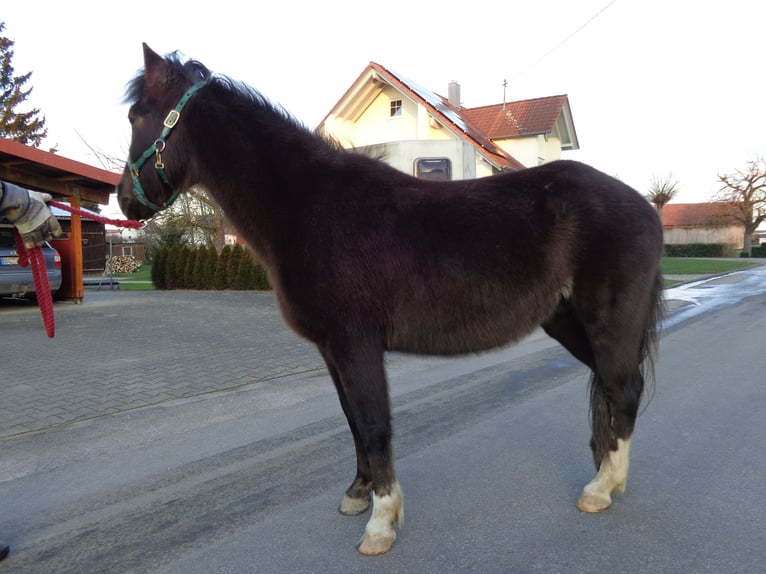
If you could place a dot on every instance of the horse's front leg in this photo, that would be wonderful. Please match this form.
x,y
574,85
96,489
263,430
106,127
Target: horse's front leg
x,y
358,495
358,372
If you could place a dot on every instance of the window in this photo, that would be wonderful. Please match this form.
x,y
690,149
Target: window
x,y
127,250
436,168
396,109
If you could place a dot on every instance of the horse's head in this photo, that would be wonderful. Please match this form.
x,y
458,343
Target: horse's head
x,y
156,169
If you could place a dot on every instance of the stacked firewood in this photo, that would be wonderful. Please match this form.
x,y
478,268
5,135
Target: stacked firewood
x,y
123,264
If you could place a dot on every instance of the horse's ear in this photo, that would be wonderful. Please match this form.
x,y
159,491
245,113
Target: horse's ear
x,y
154,67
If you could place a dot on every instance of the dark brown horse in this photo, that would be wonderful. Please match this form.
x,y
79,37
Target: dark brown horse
x,y
365,259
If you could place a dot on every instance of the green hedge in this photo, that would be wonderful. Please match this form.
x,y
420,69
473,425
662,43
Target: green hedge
x,y
758,251
204,268
696,250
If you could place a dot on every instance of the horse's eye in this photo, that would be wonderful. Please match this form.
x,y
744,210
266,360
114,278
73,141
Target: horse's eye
x,y
133,113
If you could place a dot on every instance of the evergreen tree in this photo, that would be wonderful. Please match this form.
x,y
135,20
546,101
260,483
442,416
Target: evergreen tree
x,y
191,264
233,268
260,279
170,267
198,274
211,263
246,271
222,268
24,127
158,268
183,257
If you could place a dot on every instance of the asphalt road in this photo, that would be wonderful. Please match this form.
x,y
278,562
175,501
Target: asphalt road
x,y
491,454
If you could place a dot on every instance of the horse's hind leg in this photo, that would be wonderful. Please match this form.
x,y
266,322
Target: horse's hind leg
x,y
616,391
357,497
360,375
566,328
610,453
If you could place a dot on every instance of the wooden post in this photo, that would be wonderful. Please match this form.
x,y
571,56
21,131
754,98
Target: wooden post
x,y
75,237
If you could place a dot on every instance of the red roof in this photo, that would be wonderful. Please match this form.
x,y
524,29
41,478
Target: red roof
x,y
525,117
698,214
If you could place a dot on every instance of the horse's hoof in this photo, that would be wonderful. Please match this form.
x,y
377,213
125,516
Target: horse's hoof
x,y
353,506
378,543
593,503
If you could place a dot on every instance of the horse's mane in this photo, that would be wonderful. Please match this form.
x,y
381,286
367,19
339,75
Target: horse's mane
x,y
194,71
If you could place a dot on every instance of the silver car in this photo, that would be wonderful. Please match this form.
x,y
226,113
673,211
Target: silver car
x,y
17,281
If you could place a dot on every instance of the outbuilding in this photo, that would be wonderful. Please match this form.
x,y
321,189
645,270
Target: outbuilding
x,y
68,181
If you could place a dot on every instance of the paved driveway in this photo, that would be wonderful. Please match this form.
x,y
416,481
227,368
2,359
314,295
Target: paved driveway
x,y
121,350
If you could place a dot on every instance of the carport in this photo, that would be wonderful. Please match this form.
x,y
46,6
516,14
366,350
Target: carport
x,y
66,180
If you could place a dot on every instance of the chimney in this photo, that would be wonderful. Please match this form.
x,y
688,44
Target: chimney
x,y
453,94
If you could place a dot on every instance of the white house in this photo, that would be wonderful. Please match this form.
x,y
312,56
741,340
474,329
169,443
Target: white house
x,y
421,133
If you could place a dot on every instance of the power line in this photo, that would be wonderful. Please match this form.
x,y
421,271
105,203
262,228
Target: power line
x,y
564,41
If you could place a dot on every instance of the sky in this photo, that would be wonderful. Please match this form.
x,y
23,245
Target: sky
x,y
658,88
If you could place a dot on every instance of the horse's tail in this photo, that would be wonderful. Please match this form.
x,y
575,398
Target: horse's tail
x,y
602,418
652,329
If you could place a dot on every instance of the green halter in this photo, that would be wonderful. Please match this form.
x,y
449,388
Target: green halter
x,y
156,149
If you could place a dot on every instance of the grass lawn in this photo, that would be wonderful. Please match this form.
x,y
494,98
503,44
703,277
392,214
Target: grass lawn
x,y
669,266
143,274
689,266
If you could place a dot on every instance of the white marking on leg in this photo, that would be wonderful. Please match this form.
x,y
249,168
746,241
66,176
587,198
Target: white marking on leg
x,y
566,289
612,475
379,534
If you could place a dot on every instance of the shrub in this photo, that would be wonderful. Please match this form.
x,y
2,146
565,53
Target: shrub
x,y
158,268
232,269
180,267
222,268
236,267
171,264
207,271
260,278
189,266
696,250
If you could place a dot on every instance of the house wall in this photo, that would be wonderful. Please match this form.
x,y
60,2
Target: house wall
x,y
375,125
416,134
533,150
403,154
730,235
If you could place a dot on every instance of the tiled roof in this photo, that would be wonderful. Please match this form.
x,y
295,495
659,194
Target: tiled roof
x,y
698,214
526,117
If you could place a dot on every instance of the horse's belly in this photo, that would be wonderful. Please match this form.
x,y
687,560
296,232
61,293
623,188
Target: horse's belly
x,y
441,332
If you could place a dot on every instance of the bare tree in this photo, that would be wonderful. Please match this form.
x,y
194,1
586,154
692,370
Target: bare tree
x,y
745,191
201,219
661,191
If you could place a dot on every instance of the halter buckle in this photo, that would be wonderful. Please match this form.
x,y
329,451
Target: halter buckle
x,y
171,119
